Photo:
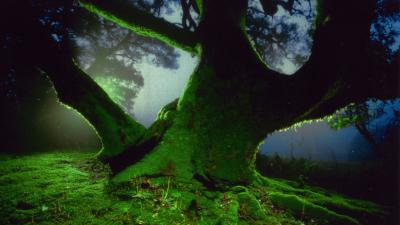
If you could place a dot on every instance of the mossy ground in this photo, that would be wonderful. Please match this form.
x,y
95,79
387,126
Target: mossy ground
x,y
72,188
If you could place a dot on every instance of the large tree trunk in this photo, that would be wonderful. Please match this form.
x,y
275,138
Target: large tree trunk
x,y
221,118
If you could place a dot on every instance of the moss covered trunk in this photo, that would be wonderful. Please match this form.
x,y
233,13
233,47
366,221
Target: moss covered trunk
x,y
117,130
221,117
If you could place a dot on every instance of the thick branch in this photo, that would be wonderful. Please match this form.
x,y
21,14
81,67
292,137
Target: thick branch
x,y
343,69
142,23
76,89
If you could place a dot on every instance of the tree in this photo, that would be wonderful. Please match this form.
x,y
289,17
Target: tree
x,y
363,117
232,101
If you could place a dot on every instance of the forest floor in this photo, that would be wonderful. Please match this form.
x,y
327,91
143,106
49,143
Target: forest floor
x,y
72,188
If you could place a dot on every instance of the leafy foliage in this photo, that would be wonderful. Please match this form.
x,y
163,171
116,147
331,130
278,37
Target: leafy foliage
x,y
364,117
353,114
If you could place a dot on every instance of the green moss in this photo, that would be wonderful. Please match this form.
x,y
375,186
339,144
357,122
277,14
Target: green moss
x,y
73,188
142,23
116,128
302,208
222,135
173,154
322,201
250,206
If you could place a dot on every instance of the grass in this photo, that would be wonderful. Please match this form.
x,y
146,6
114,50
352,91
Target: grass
x,y
72,188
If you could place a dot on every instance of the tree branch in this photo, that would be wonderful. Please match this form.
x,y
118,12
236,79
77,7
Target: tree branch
x,y
187,20
142,23
344,69
76,89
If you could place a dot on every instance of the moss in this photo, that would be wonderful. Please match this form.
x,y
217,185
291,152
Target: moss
x,y
220,145
319,195
127,16
302,208
250,206
116,128
61,188
52,187
175,148
324,200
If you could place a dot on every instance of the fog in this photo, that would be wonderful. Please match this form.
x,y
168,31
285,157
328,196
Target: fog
x,y
317,141
161,86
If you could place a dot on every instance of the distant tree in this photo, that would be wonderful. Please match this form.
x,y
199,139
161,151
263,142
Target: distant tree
x,y
364,118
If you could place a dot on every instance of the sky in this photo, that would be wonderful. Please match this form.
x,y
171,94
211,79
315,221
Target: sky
x,y
317,141
161,86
